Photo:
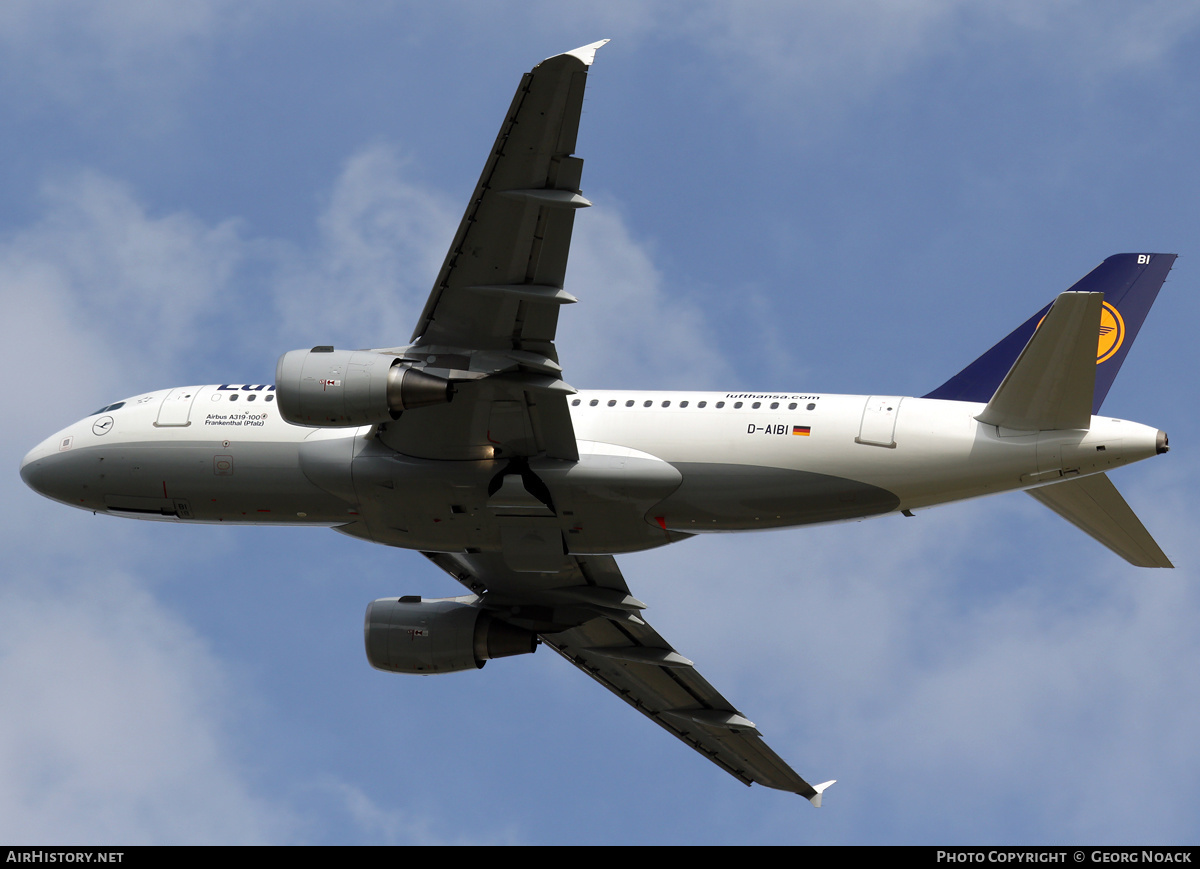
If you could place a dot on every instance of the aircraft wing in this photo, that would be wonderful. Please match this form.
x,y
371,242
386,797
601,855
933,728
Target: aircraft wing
x,y
490,321
586,613
489,327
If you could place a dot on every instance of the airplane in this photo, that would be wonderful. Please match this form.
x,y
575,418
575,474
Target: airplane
x,y
468,446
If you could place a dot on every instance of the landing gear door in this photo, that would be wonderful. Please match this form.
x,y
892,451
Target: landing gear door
x,y
176,407
879,421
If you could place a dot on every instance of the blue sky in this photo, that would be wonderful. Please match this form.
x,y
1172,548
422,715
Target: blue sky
x,y
848,197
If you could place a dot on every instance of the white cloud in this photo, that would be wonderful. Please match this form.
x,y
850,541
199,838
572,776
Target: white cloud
x,y
124,56
382,239
826,54
1100,38
109,293
136,299
114,725
630,329
138,56
406,826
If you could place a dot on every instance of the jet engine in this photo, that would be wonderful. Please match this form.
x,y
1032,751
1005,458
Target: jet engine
x,y
410,635
327,387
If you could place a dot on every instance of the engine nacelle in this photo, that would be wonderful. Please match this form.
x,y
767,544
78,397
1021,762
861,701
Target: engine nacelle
x,y
327,387
411,635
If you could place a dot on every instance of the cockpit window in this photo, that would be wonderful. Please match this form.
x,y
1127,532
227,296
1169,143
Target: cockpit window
x,y
111,407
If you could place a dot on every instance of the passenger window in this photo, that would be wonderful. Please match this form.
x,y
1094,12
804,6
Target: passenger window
x,y
270,398
612,402
683,404
251,397
720,404
756,405
629,403
792,406
233,397
647,403
736,405
593,402
702,404
575,403
812,406
774,405
666,404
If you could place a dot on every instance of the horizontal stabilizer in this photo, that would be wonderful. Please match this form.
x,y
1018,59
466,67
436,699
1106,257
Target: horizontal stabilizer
x,y
1051,384
1094,506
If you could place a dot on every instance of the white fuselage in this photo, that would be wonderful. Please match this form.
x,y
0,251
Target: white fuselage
x,y
654,466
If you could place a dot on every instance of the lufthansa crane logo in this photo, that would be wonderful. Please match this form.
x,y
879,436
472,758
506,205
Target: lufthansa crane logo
x,y
1112,332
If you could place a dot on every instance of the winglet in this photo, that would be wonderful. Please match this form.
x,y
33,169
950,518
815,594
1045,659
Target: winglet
x,y
586,53
815,799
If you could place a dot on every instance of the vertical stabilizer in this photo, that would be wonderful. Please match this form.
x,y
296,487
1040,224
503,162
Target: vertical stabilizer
x,y
1130,283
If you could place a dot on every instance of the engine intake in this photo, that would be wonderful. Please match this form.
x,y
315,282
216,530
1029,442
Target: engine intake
x,y
328,387
410,635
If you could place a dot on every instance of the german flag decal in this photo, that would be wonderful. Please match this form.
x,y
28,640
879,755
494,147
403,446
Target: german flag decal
x,y
802,430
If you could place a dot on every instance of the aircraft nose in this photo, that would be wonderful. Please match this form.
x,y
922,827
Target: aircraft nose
x,y
44,470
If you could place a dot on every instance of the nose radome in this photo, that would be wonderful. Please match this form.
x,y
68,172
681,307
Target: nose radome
x,y
33,470
42,469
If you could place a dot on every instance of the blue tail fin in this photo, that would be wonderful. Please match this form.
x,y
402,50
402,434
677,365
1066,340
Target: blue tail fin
x,y
1130,283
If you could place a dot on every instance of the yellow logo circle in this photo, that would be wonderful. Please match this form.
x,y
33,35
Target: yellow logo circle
x,y
1112,333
